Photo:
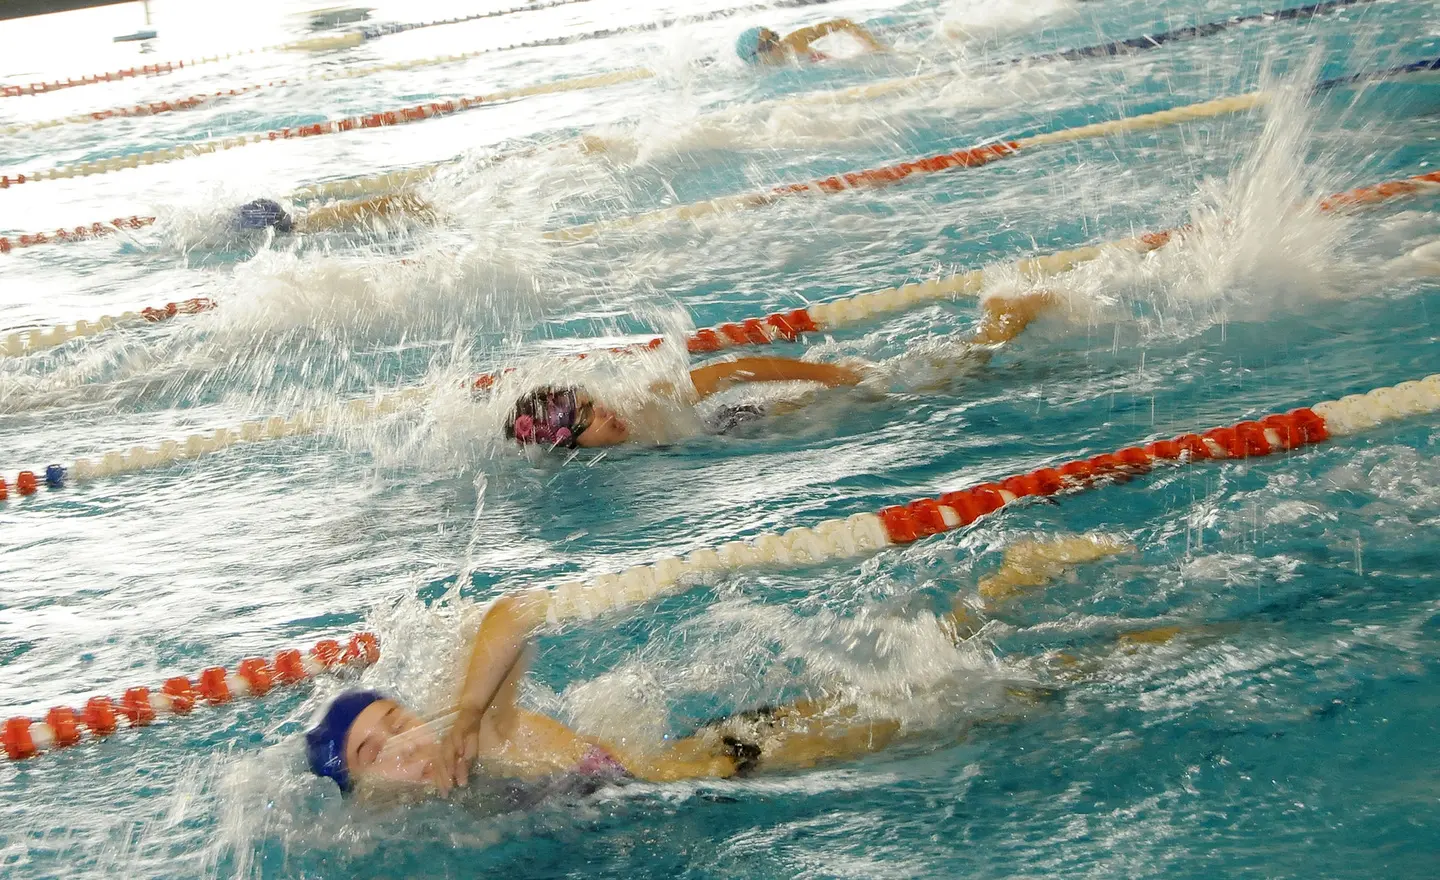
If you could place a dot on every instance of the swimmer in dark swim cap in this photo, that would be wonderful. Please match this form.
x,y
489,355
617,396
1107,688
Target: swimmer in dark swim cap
x,y
760,45
269,214
369,744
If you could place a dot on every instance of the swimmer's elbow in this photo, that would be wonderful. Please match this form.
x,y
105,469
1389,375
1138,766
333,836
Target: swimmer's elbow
x,y
513,617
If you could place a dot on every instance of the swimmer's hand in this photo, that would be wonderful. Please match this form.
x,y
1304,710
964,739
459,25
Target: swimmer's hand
x,y
457,752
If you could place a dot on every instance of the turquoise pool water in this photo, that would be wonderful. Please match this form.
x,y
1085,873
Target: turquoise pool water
x,y
1286,732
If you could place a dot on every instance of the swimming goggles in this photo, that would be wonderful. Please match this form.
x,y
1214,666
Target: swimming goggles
x,y
559,418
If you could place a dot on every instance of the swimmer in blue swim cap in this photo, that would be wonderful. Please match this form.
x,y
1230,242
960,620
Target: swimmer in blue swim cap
x,y
760,45
370,744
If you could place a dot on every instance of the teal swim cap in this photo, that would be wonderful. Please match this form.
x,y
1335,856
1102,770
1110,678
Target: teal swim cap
x,y
748,45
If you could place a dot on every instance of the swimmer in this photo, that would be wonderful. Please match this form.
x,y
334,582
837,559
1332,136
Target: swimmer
x,y
569,417
373,745
269,214
760,45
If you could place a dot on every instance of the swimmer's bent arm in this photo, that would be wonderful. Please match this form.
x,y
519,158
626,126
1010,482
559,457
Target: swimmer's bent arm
x,y
715,378
495,660
800,40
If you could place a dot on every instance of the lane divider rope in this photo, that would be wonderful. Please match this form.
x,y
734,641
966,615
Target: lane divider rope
x,y
790,325
317,44
402,116
314,44
969,158
194,101
200,444
1147,42
1112,48
375,31
20,344
832,315
63,726
79,233
864,534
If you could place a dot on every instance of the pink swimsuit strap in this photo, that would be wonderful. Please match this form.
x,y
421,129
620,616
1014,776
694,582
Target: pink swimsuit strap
x,y
598,762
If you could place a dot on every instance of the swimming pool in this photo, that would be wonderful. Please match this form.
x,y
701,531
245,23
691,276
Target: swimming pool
x,y
1284,734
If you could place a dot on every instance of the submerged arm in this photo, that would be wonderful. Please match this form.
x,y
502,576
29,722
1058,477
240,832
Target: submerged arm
x,y
358,211
1007,317
715,378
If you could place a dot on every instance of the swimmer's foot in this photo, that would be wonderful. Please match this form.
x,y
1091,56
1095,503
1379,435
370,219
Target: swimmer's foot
x,y
1030,564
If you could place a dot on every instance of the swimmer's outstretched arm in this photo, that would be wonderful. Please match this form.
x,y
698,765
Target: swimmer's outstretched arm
x,y
800,40
715,378
358,211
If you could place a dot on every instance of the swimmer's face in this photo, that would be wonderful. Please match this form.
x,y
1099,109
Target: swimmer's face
x,y
605,428
389,743
769,43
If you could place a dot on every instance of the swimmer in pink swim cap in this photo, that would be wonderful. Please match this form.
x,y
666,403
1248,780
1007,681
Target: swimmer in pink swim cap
x,y
567,416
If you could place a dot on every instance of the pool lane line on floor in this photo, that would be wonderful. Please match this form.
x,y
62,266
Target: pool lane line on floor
x,y
22,737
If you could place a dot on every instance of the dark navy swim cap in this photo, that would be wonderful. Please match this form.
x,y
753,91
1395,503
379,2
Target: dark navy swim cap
x,y
325,744
262,213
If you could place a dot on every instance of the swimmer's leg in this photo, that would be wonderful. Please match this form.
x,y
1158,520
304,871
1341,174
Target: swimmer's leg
x,y
791,737
1027,565
1030,564
1074,667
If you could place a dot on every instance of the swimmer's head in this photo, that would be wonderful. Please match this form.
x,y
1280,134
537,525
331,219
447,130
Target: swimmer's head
x,y
263,213
364,735
756,45
564,417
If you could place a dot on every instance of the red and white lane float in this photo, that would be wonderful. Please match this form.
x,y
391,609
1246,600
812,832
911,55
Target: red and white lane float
x,y
788,326
402,116
197,445
314,44
79,233
253,677
863,534
821,317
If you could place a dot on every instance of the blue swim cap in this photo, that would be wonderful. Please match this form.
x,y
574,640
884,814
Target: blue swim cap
x,y
748,45
325,744
262,213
